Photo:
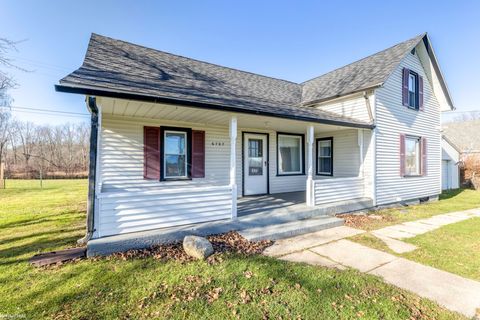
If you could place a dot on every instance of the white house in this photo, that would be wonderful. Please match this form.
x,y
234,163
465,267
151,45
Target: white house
x,y
450,165
181,142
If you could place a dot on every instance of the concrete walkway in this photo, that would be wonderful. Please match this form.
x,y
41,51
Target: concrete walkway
x,y
329,248
392,235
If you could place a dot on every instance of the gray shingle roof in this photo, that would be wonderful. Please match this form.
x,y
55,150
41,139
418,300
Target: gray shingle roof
x,y
363,74
463,134
116,66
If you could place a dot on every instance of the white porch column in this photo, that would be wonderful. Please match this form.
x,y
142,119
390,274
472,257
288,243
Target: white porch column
x,y
233,164
310,186
361,149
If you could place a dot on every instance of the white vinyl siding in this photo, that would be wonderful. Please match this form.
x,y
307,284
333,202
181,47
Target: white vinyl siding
x,y
341,189
354,107
393,119
145,210
346,152
122,155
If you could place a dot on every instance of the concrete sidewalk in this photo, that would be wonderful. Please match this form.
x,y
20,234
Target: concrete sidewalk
x,y
392,235
415,228
327,248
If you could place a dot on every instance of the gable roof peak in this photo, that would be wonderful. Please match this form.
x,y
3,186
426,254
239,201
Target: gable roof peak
x,y
366,73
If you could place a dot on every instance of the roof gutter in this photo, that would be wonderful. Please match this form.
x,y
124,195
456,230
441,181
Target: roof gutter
x,y
92,170
194,104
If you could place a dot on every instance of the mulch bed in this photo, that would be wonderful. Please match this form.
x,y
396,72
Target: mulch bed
x,y
361,221
230,242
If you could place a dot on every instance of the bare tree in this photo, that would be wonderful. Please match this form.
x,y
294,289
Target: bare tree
x,y
467,116
5,120
25,133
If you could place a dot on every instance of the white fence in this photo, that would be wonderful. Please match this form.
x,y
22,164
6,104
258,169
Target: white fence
x,y
123,212
338,189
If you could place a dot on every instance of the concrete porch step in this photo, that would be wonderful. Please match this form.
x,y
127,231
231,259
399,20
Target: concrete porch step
x,y
301,211
290,229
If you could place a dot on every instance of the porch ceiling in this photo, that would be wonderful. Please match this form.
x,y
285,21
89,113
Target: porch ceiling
x,y
147,110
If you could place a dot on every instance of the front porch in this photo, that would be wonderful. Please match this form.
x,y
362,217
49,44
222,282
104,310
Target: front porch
x,y
242,154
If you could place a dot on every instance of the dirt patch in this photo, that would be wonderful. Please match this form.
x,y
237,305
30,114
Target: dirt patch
x,y
230,242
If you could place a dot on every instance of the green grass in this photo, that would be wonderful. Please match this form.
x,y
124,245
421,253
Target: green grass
x,y
454,248
34,220
449,201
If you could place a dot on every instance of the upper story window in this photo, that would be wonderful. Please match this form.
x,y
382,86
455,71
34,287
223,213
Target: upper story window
x,y
413,90
412,94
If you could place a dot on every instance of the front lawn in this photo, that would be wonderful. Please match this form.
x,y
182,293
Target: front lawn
x,y
34,220
454,248
449,201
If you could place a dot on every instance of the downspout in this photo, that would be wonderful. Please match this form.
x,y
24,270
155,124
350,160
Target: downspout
x,y
369,107
92,107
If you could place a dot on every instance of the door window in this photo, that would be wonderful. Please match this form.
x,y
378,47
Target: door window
x,y
255,157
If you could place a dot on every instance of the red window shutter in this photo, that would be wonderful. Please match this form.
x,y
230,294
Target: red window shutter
x,y
423,147
151,153
420,93
198,154
402,155
406,74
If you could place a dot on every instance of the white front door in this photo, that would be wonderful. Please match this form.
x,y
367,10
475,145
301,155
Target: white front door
x,y
255,166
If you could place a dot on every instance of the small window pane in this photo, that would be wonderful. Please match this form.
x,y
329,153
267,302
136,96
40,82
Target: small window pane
x,y
289,154
325,148
411,83
175,166
175,143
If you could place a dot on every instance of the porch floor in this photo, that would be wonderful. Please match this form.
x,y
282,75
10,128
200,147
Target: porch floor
x,y
292,201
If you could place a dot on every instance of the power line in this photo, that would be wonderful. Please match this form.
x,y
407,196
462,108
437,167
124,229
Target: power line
x,y
455,111
48,110
51,114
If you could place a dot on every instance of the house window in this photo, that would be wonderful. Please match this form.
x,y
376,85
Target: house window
x,y
412,156
175,154
325,156
290,154
413,90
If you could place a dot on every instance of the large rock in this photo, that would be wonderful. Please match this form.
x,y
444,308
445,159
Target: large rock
x,y
197,247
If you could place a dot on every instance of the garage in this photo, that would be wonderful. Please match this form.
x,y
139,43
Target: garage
x,y
450,169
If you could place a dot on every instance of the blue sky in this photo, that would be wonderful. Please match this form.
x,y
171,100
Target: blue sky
x,y
292,40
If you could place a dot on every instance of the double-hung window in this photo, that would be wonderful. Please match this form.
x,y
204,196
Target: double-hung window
x,y
413,90
290,154
325,156
412,156
175,154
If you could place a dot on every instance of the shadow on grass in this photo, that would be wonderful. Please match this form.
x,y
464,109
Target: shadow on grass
x,y
448,194
40,234
42,218
31,248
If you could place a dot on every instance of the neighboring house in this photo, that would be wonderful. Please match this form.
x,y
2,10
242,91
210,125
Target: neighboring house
x,y
177,141
450,165
465,135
